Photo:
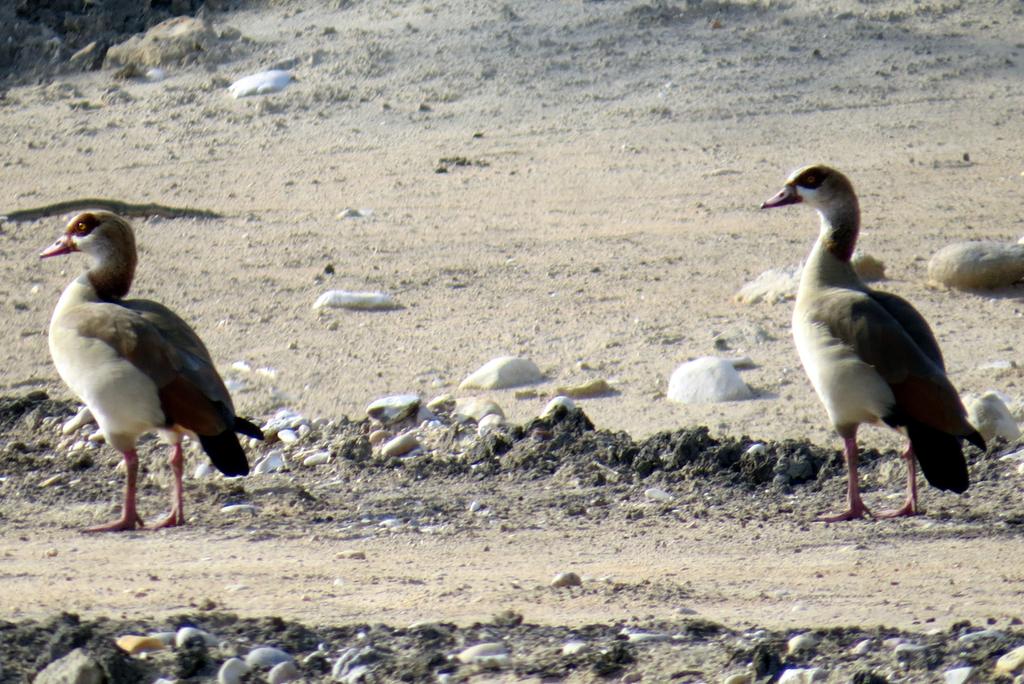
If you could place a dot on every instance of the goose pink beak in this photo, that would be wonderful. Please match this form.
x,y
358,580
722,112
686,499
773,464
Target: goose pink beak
x,y
787,195
63,245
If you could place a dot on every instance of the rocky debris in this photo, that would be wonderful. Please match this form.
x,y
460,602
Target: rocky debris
x,y
977,265
990,416
175,41
76,667
707,380
503,372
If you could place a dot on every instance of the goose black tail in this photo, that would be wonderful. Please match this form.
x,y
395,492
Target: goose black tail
x,y
226,453
248,429
940,456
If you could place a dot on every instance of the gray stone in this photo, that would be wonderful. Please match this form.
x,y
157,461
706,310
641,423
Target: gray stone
x,y
502,373
76,667
283,672
232,671
266,657
958,675
566,579
400,445
990,416
485,653
388,410
977,265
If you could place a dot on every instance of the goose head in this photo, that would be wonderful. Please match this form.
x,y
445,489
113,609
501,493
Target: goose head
x,y
820,187
109,242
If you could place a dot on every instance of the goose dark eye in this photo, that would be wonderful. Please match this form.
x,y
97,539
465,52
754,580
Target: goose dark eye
x,y
80,228
810,181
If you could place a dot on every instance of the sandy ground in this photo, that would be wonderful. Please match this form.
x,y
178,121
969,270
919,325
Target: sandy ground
x,y
619,153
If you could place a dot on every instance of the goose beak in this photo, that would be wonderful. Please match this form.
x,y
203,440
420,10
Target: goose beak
x,y
63,245
787,195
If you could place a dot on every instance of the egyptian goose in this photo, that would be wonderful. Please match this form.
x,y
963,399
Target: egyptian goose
x,y
136,364
870,355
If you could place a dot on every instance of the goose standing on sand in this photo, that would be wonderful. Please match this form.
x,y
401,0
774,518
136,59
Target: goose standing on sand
x,y
137,365
870,355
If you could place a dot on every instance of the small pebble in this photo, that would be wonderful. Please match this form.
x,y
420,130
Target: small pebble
x,y
557,403
1012,662
801,643
319,458
356,301
51,481
639,636
351,554
287,436
266,657
802,676
573,647
133,644
271,463
443,403
378,436
592,388
658,495
972,638
232,671
739,678
83,417
489,424
236,509
502,373
261,83
283,672
187,634
389,410
402,444
474,409
863,647
204,469
958,675
566,579
485,653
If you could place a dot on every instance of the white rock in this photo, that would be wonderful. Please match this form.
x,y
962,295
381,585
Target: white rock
x,y
977,265
77,667
958,675
739,678
566,579
598,387
772,287
659,495
867,267
1011,662
402,444
756,449
237,509
502,373
489,423
802,676
319,458
442,403
801,643
260,84
486,653
573,647
474,409
266,657
288,436
204,469
83,417
388,410
357,301
155,74
990,416
972,638
271,463
187,634
354,675
863,647
557,403
283,672
707,380
232,671
640,636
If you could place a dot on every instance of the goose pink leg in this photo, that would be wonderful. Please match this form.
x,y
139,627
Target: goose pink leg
x,y
177,514
855,505
910,505
129,519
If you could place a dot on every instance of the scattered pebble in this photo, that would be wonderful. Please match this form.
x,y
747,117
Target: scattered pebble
x,y
283,672
502,373
571,648
350,554
638,636
266,657
488,653
658,495
262,83
597,387
972,638
802,676
707,380
802,643
349,212
232,671
389,410
566,579
187,634
990,417
443,403
556,403
356,301
739,678
51,481
1011,662
236,509
133,644
977,265
863,647
288,436
319,458
378,437
204,469
400,445
958,675
489,423
474,409
271,463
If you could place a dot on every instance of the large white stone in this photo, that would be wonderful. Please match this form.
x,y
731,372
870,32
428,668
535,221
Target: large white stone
x,y
977,265
707,380
990,416
503,372
263,83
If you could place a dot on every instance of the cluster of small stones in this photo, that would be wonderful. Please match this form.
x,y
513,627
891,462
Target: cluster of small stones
x,y
445,653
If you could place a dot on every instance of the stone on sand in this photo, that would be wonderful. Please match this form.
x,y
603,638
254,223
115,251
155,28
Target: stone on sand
x,y
772,286
388,410
977,265
474,409
356,301
400,445
503,372
586,390
990,416
1011,662
76,667
869,268
169,42
707,380
263,83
